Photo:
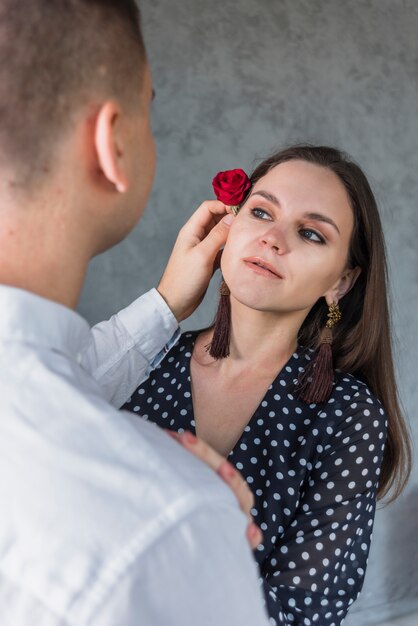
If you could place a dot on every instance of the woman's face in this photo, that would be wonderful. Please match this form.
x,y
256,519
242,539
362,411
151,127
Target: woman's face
x,y
289,244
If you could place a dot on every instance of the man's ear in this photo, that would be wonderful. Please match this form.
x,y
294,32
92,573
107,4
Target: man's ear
x,y
109,145
343,285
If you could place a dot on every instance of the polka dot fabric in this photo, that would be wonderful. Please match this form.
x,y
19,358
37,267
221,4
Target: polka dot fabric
x,y
314,472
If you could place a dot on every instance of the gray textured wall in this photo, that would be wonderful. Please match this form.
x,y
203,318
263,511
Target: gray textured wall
x,y
236,79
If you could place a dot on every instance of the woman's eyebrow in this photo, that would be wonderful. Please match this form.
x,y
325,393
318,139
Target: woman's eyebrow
x,y
318,217
267,195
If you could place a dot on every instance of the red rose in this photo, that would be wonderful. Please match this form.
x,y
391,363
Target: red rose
x,y
231,186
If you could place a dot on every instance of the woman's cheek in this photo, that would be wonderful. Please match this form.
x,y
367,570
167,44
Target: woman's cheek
x,y
230,255
239,244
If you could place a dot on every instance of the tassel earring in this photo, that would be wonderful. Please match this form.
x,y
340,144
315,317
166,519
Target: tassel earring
x,y
318,379
219,346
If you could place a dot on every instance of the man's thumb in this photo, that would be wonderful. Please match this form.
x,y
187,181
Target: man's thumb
x,y
228,219
217,237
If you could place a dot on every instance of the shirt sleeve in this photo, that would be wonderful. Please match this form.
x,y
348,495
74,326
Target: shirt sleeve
x,y
200,573
122,351
317,568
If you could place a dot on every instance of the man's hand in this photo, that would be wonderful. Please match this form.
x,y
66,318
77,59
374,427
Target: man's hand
x,y
195,258
229,474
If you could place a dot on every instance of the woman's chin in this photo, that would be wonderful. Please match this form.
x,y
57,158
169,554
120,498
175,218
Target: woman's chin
x,y
256,301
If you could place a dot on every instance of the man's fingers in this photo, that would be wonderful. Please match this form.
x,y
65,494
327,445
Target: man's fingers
x,y
172,434
222,467
229,474
254,535
216,239
205,217
234,479
202,450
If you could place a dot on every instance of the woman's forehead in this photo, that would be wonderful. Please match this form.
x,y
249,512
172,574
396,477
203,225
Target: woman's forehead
x,y
304,181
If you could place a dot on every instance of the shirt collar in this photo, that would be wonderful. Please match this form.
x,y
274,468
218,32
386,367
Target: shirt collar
x,y
29,318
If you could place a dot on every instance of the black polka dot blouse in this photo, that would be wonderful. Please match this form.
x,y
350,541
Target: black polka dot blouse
x,y
314,472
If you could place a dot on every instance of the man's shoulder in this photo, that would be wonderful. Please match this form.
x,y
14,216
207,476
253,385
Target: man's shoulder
x,y
92,489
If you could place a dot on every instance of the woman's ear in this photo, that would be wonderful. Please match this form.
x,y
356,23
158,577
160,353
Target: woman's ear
x,y
343,285
109,145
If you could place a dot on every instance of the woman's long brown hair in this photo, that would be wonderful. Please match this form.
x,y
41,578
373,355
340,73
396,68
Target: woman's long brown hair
x,y
362,344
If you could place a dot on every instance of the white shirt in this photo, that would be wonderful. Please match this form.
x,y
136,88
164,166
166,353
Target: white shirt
x,y
104,520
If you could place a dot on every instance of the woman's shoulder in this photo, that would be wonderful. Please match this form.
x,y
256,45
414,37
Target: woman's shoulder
x,y
354,403
349,387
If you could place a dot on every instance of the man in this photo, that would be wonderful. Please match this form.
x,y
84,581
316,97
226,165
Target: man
x,y
104,519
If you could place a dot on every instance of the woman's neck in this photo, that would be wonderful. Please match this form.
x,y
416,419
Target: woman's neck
x,y
260,341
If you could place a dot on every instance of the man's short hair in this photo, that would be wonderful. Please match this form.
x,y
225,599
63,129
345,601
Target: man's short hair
x,y
57,56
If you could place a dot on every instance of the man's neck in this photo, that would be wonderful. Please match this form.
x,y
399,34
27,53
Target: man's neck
x,y
43,256
65,291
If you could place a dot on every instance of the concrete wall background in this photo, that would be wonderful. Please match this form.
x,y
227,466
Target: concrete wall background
x,y
235,79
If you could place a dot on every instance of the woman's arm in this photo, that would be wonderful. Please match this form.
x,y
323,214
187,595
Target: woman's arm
x,y
317,568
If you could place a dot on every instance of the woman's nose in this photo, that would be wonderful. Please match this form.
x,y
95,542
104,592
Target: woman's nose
x,y
274,238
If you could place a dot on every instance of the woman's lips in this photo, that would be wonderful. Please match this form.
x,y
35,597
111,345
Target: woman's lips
x,y
260,266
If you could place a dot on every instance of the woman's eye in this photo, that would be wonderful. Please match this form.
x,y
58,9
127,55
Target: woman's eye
x,y
311,235
260,214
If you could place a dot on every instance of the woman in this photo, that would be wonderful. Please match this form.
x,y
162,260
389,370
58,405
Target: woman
x,y
315,429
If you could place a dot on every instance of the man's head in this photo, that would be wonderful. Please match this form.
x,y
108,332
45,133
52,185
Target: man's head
x,y
74,97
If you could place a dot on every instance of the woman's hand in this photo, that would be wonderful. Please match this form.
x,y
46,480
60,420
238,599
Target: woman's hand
x,y
194,258
229,474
